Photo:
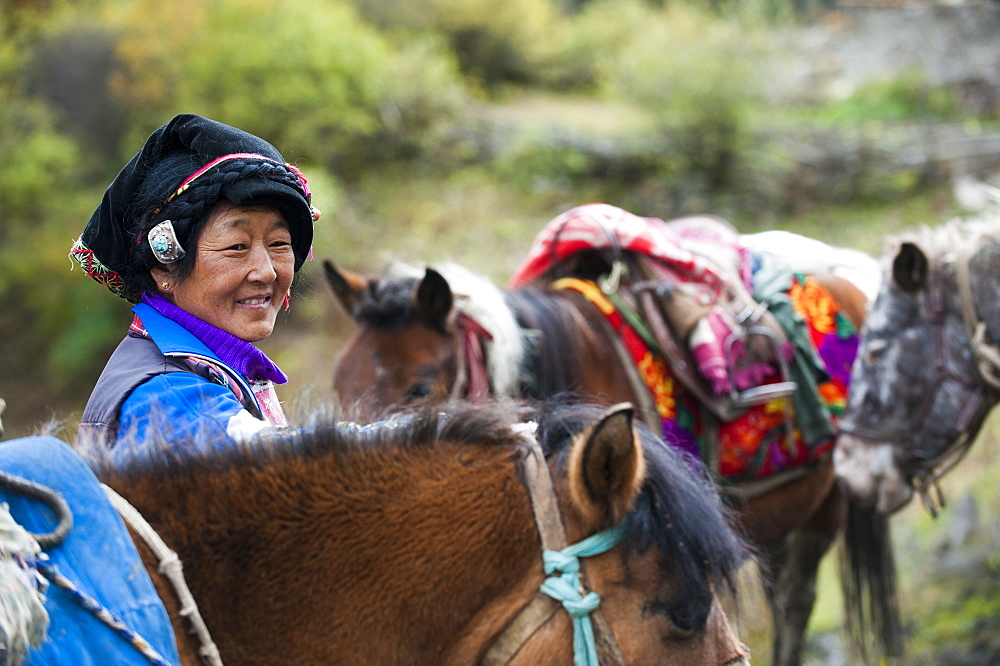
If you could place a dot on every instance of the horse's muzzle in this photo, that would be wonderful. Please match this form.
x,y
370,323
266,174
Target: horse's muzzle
x,y
869,472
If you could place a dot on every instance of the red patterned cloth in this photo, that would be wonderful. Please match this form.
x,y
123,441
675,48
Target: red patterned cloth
x,y
700,255
600,225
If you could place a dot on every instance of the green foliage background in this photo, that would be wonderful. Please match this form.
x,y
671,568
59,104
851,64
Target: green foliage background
x,y
429,129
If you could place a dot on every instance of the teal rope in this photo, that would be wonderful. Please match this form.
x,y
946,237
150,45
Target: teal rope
x,y
563,585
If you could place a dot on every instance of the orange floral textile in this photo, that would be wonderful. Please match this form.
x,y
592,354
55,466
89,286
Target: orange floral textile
x,y
757,443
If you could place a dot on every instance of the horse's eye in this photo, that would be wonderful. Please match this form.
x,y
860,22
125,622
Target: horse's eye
x,y
876,348
681,631
417,391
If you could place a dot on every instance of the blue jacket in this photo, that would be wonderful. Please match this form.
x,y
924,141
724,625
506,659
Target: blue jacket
x,y
168,386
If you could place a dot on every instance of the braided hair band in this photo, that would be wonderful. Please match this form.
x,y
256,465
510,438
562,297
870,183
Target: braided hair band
x,y
162,238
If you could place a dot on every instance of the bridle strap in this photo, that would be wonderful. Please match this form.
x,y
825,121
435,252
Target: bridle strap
x,y
987,355
472,380
988,368
543,607
531,618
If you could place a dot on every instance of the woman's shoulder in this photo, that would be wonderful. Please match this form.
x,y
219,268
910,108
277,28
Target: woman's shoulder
x,y
180,410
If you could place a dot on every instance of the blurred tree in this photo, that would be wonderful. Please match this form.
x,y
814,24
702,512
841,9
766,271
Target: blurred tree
x,y
322,86
700,77
498,43
71,70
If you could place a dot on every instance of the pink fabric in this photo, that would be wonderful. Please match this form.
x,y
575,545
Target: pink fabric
x,y
270,407
709,351
594,225
712,367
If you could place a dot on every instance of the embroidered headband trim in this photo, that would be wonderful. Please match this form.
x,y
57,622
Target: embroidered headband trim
x,y
242,156
93,267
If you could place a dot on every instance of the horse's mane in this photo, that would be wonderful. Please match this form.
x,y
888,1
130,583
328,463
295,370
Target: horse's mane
x,y
552,366
459,423
939,242
678,512
485,302
534,349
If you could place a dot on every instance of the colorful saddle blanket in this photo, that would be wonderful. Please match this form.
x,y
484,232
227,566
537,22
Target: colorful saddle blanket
x,y
754,445
98,556
701,258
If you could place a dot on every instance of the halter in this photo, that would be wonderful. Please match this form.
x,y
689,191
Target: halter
x,y
593,643
472,380
984,387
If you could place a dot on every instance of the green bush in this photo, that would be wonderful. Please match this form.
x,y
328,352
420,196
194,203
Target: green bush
x,y
323,85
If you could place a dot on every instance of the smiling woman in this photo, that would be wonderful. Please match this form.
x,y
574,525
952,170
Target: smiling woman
x,y
244,269
204,230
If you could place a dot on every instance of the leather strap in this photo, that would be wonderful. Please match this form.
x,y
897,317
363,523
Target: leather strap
x,y
542,607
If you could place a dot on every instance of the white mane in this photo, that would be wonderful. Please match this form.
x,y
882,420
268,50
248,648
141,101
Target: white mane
x,y
484,302
941,242
808,255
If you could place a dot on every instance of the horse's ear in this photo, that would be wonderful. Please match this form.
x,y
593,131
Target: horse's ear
x,y
347,286
909,268
434,299
607,467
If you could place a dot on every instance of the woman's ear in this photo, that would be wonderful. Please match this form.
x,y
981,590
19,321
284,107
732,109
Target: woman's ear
x,y
162,276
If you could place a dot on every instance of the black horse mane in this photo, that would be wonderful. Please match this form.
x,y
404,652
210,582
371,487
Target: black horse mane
x,y
678,511
387,304
552,365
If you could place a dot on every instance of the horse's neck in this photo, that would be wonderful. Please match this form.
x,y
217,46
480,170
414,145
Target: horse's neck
x,y
351,547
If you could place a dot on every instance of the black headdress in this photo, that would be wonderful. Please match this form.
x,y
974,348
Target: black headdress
x,y
166,191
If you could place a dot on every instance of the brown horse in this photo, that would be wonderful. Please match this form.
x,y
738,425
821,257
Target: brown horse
x,y
420,541
412,346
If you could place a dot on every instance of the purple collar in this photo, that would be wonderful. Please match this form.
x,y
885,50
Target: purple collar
x,y
238,354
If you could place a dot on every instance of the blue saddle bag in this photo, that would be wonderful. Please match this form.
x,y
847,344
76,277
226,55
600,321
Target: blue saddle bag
x,y
98,556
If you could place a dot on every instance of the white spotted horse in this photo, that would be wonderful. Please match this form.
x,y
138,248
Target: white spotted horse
x,y
925,378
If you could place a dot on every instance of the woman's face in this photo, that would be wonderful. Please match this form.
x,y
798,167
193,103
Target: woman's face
x,y
242,271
